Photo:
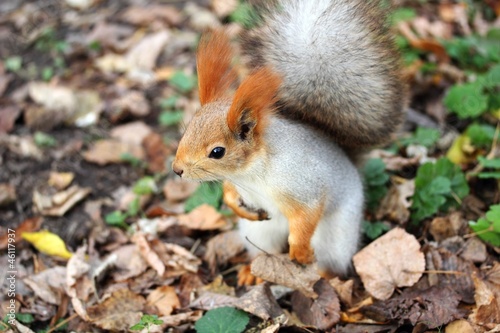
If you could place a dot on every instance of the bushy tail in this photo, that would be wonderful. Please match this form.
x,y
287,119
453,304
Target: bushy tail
x,y
339,67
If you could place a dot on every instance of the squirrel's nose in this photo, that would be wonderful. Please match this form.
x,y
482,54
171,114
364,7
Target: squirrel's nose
x,y
178,171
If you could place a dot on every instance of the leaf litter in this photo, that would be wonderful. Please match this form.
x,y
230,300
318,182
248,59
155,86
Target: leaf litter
x,y
82,92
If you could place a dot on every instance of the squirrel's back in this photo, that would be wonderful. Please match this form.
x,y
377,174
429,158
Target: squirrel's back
x,y
338,63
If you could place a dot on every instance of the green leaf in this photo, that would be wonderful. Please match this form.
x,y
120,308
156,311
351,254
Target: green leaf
x,y
373,230
145,185
489,163
222,320
467,100
169,103
207,193
47,73
169,118
437,187
376,179
488,228
25,318
134,207
245,14
137,327
489,174
44,140
182,82
423,136
481,135
116,218
13,64
402,14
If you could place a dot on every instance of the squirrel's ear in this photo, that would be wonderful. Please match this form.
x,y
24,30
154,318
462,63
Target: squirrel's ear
x,y
253,100
213,64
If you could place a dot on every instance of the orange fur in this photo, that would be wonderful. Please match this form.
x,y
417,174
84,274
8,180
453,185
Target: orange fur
x,y
213,63
256,95
233,199
302,221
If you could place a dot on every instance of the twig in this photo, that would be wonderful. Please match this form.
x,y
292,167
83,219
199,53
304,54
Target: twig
x,y
63,322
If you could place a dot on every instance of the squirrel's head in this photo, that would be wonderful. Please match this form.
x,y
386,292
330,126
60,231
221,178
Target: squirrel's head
x,y
225,135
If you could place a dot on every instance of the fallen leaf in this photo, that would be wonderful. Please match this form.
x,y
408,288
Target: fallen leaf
x,y
432,307
475,251
446,227
176,258
391,261
7,194
395,205
178,319
59,203
223,247
343,289
131,133
459,326
323,312
78,283
48,243
157,152
132,103
260,302
151,257
281,270
109,35
60,180
459,278
204,217
224,7
48,285
21,145
145,15
118,312
104,152
209,300
28,225
144,54
487,298
8,116
165,299
80,4
178,189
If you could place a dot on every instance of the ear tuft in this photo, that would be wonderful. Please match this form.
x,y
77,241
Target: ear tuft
x,y
254,98
213,64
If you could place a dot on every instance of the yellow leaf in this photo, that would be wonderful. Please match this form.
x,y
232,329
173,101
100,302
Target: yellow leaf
x,y
461,151
48,243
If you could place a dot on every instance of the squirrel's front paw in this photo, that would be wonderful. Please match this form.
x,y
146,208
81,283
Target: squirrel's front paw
x,y
302,253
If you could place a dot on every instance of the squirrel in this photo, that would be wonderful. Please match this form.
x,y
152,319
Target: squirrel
x,y
324,81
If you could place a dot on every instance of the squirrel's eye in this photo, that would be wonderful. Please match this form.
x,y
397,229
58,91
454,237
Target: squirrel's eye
x,y
217,152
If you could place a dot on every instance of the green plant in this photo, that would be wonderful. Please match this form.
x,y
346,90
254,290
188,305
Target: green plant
x,y
376,179
222,320
13,64
492,164
472,99
422,136
170,115
183,82
44,140
488,228
481,135
245,14
207,193
438,187
373,230
143,186
475,52
146,322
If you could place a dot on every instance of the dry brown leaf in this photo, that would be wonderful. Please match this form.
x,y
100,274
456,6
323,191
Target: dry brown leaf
x,y
118,312
487,297
59,203
459,326
323,312
218,286
49,284
165,299
8,116
104,152
223,247
28,225
178,189
343,289
474,250
60,180
57,104
391,261
203,217
131,133
178,259
7,194
224,7
78,283
260,302
151,257
441,259
132,103
143,55
395,205
157,152
281,270
208,301
114,36
141,15
176,320
446,227
22,145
